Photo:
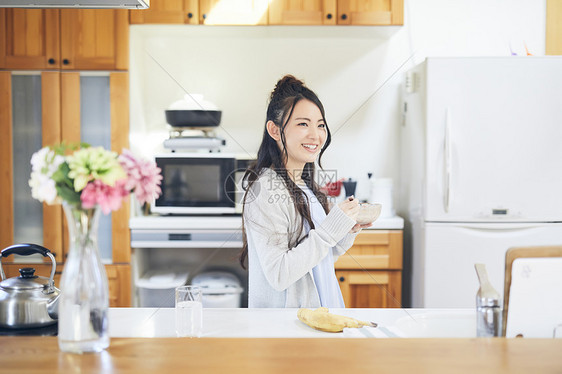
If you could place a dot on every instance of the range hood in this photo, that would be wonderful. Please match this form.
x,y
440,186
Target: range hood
x,y
122,4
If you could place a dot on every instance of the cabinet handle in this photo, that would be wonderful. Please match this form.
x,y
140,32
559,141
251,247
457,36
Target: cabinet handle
x,y
329,16
66,61
344,16
51,61
189,15
204,16
342,279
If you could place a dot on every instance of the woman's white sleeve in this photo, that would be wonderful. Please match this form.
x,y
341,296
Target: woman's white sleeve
x,y
343,245
267,220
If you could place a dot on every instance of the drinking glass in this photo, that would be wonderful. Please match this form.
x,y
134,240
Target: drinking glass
x,y
189,311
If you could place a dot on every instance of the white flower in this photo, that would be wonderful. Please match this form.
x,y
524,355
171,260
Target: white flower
x,y
45,161
38,159
42,188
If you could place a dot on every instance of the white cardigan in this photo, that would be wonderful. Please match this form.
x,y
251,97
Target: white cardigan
x,y
280,264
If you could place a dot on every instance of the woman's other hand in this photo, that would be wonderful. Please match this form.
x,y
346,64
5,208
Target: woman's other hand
x,y
350,207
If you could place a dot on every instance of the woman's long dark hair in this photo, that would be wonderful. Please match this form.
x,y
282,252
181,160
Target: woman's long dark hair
x,y
287,93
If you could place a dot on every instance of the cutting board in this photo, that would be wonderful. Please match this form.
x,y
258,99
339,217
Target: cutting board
x,y
535,298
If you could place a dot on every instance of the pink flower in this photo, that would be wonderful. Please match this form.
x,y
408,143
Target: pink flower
x,y
109,198
143,177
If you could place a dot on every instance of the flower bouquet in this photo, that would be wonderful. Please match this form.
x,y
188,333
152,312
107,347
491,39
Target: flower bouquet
x,y
84,177
86,180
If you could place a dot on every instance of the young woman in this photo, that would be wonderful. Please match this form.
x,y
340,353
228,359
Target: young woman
x,y
291,236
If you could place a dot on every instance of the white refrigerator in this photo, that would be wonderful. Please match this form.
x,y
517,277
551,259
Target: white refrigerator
x,y
481,169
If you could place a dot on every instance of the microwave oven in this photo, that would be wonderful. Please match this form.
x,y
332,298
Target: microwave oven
x,y
198,183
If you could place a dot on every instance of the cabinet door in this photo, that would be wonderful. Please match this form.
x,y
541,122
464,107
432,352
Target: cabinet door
x,y
167,11
370,12
370,288
233,12
29,119
29,39
305,12
94,39
119,281
95,110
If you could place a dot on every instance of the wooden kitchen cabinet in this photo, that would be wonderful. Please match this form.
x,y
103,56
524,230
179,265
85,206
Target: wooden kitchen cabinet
x,y
67,39
65,108
233,12
73,127
370,273
94,39
272,12
168,12
30,116
204,12
306,12
29,38
370,12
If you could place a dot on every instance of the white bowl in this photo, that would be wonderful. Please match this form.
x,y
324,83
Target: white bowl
x,y
368,213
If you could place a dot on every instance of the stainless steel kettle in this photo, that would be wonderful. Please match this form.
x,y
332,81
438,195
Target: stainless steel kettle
x,y
29,300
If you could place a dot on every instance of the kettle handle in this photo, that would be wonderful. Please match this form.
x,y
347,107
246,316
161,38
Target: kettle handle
x,y
27,249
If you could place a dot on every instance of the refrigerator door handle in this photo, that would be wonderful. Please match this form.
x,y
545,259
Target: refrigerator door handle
x,y
447,163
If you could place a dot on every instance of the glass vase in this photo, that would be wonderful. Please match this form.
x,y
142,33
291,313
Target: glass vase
x,y
84,300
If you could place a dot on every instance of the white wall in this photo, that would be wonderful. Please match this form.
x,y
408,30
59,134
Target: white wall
x,y
356,71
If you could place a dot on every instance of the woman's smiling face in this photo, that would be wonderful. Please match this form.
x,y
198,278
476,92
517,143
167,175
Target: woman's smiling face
x,y
305,135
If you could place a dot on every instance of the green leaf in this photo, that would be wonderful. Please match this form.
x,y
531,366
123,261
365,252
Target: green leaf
x,y
63,147
62,173
68,194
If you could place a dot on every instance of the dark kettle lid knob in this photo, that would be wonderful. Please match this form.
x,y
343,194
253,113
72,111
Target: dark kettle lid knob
x,y
27,273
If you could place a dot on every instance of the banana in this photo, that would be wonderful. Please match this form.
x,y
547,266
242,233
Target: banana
x,y
321,319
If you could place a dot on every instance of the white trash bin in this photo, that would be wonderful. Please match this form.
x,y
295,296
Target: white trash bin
x,y
220,289
156,288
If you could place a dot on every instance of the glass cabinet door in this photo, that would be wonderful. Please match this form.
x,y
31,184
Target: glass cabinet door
x,y
29,119
95,111
95,129
26,140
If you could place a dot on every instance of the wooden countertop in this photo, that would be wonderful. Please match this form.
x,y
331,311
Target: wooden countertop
x,y
266,355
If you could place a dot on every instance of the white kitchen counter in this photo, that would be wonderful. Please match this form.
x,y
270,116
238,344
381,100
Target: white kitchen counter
x,y
283,323
225,223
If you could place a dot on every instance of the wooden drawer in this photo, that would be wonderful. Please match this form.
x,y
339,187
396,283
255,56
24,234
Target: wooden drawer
x,y
374,249
118,277
370,288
